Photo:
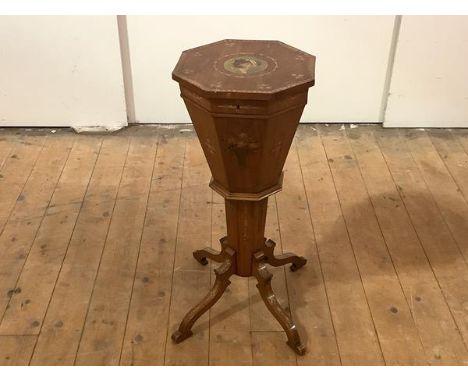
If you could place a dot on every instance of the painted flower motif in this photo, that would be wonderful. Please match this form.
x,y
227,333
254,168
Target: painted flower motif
x,y
263,87
216,85
297,76
209,146
242,143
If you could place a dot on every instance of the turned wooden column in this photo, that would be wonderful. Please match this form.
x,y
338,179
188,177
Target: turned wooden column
x,y
245,221
245,99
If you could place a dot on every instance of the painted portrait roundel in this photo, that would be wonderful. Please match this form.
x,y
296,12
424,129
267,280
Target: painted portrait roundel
x,y
245,65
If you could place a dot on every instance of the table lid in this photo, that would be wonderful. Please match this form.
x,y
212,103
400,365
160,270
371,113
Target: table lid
x,y
254,69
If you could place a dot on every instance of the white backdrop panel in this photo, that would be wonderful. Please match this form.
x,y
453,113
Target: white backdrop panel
x,y
60,71
429,86
352,56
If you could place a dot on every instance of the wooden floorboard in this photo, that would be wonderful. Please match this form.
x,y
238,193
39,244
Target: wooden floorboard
x,y
29,211
444,189
7,145
442,252
97,234
190,280
230,338
351,315
432,316
309,302
262,323
16,350
61,331
146,331
38,275
16,169
390,311
106,318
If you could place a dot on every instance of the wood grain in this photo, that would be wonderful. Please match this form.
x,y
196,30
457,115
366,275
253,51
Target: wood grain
x,y
16,170
349,307
439,245
146,331
378,231
61,332
26,309
191,281
29,211
437,329
395,327
310,310
104,328
444,189
16,350
230,339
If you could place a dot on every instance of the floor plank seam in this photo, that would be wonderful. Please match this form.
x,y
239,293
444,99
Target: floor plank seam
x,y
353,250
102,252
8,154
421,242
459,189
175,251
318,253
439,208
24,184
389,254
431,138
139,250
283,267
66,250
380,276
38,227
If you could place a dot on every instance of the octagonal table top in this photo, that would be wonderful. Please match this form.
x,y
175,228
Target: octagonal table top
x,y
254,69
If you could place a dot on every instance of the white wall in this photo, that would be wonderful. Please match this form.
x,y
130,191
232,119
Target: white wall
x,y
60,71
429,84
352,55
67,70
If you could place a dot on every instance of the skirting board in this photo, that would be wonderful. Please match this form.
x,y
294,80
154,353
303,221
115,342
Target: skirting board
x,y
100,129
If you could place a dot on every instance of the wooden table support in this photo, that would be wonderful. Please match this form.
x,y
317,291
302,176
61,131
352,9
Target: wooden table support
x,y
245,99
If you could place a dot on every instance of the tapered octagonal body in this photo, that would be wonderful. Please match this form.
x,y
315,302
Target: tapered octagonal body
x,y
245,99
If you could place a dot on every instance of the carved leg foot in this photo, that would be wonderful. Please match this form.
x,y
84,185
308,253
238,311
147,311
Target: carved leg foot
x,y
202,255
222,281
288,258
264,286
